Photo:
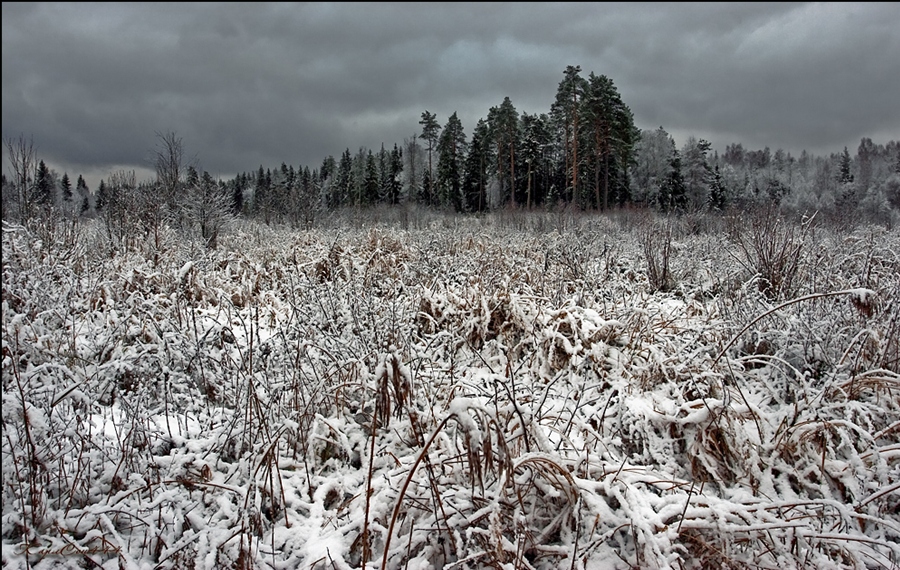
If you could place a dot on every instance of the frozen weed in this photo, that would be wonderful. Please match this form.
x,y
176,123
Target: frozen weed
x,y
512,391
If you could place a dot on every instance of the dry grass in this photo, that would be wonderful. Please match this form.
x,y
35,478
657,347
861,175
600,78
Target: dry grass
x,y
465,394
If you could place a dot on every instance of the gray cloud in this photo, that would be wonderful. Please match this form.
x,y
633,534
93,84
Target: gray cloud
x,y
259,84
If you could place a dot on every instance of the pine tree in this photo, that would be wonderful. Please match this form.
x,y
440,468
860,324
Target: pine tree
x,y
612,135
395,183
566,113
478,161
430,133
451,157
503,122
425,196
535,139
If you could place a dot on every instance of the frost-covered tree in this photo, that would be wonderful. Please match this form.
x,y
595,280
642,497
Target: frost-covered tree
x,y
653,162
697,172
162,204
718,195
84,195
169,162
261,186
208,207
672,193
22,163
413,157
119,207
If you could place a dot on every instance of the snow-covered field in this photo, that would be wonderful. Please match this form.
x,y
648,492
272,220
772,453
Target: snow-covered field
x,y
515,391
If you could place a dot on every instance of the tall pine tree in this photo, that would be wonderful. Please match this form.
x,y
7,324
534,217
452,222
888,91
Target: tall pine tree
x,y
503,122
431,131
566,114
478,164
451,160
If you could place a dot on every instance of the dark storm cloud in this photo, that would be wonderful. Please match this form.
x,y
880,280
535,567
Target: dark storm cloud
x,y
259,84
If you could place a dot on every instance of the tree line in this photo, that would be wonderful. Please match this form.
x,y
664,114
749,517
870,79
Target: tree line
x,y
584,152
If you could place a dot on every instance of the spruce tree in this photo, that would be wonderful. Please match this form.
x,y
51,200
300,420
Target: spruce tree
x,y
260,194
237,195
43,186
343,181
65,185
672,195
371,181
717,196
102,197
83,193
845,175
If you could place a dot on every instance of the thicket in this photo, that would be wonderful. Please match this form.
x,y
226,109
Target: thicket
x,y
515,390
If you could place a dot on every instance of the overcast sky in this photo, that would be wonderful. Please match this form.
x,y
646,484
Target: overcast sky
x,y
253,84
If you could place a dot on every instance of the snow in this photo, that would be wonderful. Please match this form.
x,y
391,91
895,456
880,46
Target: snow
x,y
536,406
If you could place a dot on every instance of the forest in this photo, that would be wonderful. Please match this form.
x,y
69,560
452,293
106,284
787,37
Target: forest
x,y
560,343
585,153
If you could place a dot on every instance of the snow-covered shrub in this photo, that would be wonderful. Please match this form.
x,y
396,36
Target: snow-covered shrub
x,y
466,393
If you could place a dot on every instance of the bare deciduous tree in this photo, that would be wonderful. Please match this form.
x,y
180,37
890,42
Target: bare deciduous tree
x,y
169,163
22,164
156,207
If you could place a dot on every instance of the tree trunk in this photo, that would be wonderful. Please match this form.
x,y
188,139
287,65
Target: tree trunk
x,y
528,191
606,180
512,174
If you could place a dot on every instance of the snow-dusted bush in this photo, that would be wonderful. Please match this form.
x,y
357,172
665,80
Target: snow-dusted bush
x,y
511,391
